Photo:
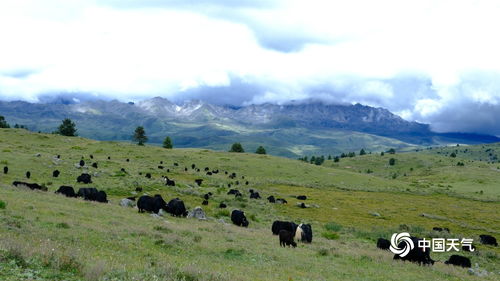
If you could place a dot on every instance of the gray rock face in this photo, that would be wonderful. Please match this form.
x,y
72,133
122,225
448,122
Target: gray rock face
x,y
127,203
197,213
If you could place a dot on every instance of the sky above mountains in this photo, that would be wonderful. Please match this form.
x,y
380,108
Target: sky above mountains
x,y
430,61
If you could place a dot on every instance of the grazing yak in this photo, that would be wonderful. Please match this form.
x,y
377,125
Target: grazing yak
x,y
207,169
417,254
84,178
246,183
128,160
151,204
169,182
109,157
160,167
198,181
28,174
286,238
206,196
271,199
82,163
176,164
94,165
281,201
176,208
383,244
488,240
91,156
138,189
458,260
5,170
31,186
92,194
301,197
209,173
205,202
238,218
255,195
222,205
234,192
67,191
193,166
185,169
55,173
304,233
148,175
286,225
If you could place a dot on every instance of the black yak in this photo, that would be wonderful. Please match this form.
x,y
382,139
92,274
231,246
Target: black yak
x,y
176,208
383,244
458,261
151,204
488,240
286,225
67,191
55,173
417,254
238,218
286,238
84,178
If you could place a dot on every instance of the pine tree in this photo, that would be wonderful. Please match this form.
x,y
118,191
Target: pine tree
x,y
140,136
67,128
167,143
3,123
260,150
237,147
362,152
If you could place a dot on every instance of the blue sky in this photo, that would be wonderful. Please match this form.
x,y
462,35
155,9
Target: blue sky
x,y
431,61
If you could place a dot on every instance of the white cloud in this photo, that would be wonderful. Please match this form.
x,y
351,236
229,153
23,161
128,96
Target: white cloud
x,y
340,51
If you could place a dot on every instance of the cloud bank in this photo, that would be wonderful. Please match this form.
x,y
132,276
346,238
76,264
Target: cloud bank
x,y
430,61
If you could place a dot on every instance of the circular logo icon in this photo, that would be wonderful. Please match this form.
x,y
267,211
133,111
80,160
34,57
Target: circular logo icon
x,y
396,239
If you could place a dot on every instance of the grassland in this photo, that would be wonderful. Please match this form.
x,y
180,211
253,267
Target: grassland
x,y
44,236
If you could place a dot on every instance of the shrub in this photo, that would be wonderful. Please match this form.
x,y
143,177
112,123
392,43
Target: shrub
x,y
62,225
2,204
330,235
323,252
392,161
333,226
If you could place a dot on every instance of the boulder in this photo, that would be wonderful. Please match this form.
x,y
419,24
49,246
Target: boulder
x,y
197,213
127,203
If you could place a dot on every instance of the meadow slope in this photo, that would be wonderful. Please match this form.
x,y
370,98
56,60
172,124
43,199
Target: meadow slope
x,y
44,236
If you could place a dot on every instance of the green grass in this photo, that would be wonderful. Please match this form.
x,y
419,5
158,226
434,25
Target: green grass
x,y
51,237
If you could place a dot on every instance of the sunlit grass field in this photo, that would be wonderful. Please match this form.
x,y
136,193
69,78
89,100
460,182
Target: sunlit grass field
x,y
44,236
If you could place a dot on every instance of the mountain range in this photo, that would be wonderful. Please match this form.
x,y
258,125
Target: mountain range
x,y
292,130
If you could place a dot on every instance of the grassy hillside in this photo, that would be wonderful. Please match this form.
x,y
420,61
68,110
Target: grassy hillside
x,y
44,236
435,171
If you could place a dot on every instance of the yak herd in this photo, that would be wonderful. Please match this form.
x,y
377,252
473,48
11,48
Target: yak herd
x,y
288,232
